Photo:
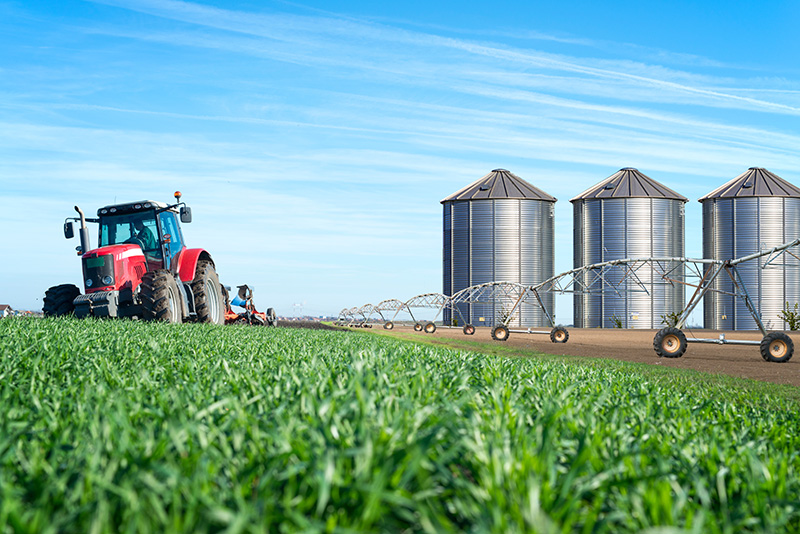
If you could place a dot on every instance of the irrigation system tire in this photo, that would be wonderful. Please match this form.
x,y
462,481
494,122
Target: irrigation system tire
x,y
469,329
58,300
500,333
430,328
272,317
418,327
670,342
161,299
388,325
777,347
208,300
559,334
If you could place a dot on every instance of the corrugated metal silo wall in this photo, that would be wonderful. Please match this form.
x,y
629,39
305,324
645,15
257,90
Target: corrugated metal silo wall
x,y
736,227
508,240
617,228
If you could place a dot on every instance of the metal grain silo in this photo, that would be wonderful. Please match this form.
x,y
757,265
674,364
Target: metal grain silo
x,y
755,211
499,228
628,215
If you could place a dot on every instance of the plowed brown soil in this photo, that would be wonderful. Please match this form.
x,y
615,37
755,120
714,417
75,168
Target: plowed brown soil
x,y
634,346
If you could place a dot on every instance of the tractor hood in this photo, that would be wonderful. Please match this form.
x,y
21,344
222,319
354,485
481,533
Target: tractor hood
x,y
113,268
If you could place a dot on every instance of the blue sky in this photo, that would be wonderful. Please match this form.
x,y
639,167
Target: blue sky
x,y
314,140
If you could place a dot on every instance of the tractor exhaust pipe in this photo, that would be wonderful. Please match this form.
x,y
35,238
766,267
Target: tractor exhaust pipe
x,y
83,232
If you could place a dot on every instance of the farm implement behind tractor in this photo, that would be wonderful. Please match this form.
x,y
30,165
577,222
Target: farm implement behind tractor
x,y
244,299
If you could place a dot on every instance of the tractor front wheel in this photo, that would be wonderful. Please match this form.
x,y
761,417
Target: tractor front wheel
x,y
272,317
161,300
58,300
208,300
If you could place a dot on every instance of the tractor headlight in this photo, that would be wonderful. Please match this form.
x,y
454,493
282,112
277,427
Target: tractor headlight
x,y
89,282
108,280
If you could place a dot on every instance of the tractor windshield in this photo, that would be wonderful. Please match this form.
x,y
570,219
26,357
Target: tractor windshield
x,y
136,228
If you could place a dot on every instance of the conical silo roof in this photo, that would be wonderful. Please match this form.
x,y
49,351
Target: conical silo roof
x,y
629,183
499,183
755,182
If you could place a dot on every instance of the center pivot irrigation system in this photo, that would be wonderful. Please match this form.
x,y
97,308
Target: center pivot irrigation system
x,y
617,277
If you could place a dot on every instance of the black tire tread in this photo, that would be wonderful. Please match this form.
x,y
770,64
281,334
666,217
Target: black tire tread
x,y
204,269
155,295
58,300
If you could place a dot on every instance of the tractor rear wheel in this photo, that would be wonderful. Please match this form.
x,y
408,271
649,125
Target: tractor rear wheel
x,y
208,300
272,317
161,299
58,300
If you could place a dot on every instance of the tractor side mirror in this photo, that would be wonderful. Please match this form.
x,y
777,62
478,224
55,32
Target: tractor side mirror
x,y
69,233
186,214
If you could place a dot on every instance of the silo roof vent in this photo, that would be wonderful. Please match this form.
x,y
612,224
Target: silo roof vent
x,y
755,182
627,183
499,183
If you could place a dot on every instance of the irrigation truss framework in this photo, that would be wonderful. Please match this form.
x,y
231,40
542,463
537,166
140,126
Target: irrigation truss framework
x,y
616,276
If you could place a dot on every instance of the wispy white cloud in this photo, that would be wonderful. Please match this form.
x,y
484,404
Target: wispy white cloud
x,y
336,36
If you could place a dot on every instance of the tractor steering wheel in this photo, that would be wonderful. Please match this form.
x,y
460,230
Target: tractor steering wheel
x,y
133,240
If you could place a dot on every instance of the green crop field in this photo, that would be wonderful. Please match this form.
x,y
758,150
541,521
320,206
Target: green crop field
x,y
139,427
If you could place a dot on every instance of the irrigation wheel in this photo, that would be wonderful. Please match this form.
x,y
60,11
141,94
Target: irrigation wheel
x,y
777,347
418,327
559,334
430,328
670,343
500,333
469,329
388,325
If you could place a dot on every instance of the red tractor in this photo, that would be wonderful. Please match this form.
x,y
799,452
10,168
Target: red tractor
x,y
141,269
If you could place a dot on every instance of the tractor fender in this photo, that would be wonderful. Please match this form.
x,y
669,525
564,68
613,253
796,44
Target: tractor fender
x,y
187,262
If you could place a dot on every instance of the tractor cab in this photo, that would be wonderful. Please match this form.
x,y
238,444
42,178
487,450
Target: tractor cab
x,y
151,225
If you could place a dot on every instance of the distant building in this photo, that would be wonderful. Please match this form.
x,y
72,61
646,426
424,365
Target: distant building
x,y
5,310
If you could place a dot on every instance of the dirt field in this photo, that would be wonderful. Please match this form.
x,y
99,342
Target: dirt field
x,y
637,346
